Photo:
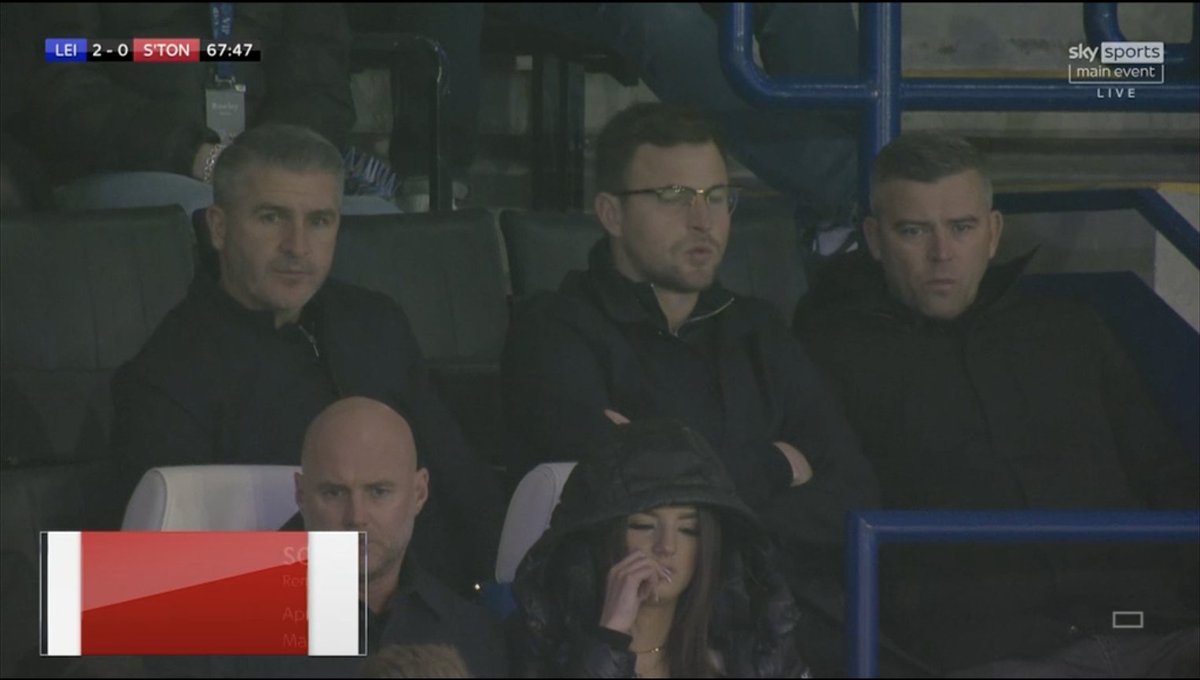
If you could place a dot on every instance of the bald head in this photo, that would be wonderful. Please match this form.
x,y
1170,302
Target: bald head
x,y
359,423
359,473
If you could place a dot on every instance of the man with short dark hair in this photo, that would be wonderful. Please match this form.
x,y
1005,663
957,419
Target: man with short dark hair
x,y
972,395
236,372
647,332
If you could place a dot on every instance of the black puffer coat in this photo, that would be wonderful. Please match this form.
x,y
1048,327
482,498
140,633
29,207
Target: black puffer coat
x,y
645,465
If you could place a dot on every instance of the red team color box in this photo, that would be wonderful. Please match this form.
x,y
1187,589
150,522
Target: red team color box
x,y
166,49
201,592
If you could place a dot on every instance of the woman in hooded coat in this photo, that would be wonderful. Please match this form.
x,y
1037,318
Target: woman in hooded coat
x,y
652,567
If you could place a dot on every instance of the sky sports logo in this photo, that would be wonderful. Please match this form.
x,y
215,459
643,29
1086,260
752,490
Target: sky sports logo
x,y
1114,68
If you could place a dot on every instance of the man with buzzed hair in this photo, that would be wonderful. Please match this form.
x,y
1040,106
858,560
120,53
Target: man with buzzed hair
x,y
238,370
972,394
360,471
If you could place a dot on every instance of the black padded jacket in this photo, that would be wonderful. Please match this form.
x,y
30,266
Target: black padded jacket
x,y
558,591
1023,402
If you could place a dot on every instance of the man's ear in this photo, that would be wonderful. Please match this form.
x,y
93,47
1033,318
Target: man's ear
x,y
420,490
215,217
995,229
608,211
871,230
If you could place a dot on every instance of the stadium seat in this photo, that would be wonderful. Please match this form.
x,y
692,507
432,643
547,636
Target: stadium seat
x,y
213,497
543,247
527,519
763,257
79,294
529,514
447,271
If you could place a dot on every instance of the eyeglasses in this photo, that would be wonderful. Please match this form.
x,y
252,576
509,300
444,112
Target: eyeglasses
x,y
681,197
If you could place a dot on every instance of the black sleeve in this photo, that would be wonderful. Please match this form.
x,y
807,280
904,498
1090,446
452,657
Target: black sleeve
x,y
555,391
152,429
1159,470
814,422
600,653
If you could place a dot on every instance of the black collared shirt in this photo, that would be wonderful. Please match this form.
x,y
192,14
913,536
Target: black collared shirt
x,y
423,610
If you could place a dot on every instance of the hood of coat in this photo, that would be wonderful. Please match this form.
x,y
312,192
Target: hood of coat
x,y
646,464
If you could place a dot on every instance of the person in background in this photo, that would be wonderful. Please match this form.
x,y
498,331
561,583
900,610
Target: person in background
x,y
809,157
118,135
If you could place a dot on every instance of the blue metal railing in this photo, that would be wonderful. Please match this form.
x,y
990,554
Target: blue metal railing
x,y
867,531
882,94
1101,25
1148,202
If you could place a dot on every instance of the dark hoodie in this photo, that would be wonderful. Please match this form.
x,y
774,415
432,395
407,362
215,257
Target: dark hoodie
x,y
649,464
1021,402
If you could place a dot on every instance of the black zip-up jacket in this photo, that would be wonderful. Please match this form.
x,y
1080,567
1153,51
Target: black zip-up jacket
x,y
733,373
1022,402
217,383
648,464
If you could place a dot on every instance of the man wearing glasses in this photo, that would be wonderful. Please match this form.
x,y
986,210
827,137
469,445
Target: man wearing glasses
x,y
647,331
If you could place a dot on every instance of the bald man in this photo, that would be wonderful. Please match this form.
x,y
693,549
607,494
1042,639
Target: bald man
x,y
360,472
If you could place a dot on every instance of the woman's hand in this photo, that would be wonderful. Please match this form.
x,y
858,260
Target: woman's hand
x,y
630,583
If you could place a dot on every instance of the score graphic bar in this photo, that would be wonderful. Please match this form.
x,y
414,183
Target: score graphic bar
x,y
150,50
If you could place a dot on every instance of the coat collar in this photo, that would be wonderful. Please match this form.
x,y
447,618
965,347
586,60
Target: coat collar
x,y
413,583
631,302
858,283
221,304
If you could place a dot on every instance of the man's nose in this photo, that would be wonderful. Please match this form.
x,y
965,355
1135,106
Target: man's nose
x,y
941,246
700,213
295,240
356,513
